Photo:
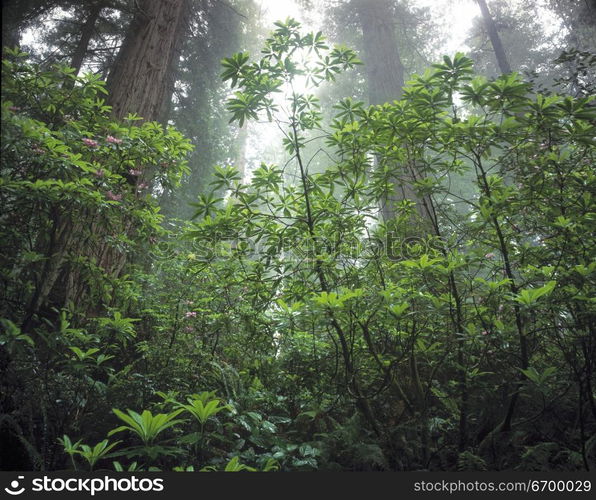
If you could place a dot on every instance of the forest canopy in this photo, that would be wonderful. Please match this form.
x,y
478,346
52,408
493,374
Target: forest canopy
x,y
227,244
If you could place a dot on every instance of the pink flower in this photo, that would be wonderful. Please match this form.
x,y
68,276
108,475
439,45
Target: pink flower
x,y
90,142
142,185
191,314
484,332
490,255
113,197
14,109
135,172
113,140
100,173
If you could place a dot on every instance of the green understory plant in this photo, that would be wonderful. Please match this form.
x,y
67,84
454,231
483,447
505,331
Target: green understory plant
x,y
91,454
148,427
476,285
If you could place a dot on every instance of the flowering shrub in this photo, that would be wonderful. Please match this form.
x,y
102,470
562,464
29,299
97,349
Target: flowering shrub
x,y
77,195
68,169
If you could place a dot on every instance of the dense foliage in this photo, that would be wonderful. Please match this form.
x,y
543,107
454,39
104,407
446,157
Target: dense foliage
x,y
289,326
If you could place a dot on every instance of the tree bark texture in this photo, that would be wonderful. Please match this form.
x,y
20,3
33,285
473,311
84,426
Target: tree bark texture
x,y
138,82
163,115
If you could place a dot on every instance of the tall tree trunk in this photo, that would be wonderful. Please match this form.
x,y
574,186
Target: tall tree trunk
x,y
384,69
385,77
242,142
172,75
138,83
86,33
139,80
494,37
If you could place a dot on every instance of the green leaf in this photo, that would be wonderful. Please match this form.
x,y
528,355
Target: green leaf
x,y
529,296
398,309
147,426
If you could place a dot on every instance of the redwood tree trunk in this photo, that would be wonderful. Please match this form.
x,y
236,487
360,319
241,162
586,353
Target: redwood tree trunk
x,y
138,82
165,111
86,33
384,69
385,77
494,37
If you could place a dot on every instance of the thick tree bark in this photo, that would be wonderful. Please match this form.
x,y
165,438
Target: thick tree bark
x,y
142,82
494,37
139,80
172,75
138,83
